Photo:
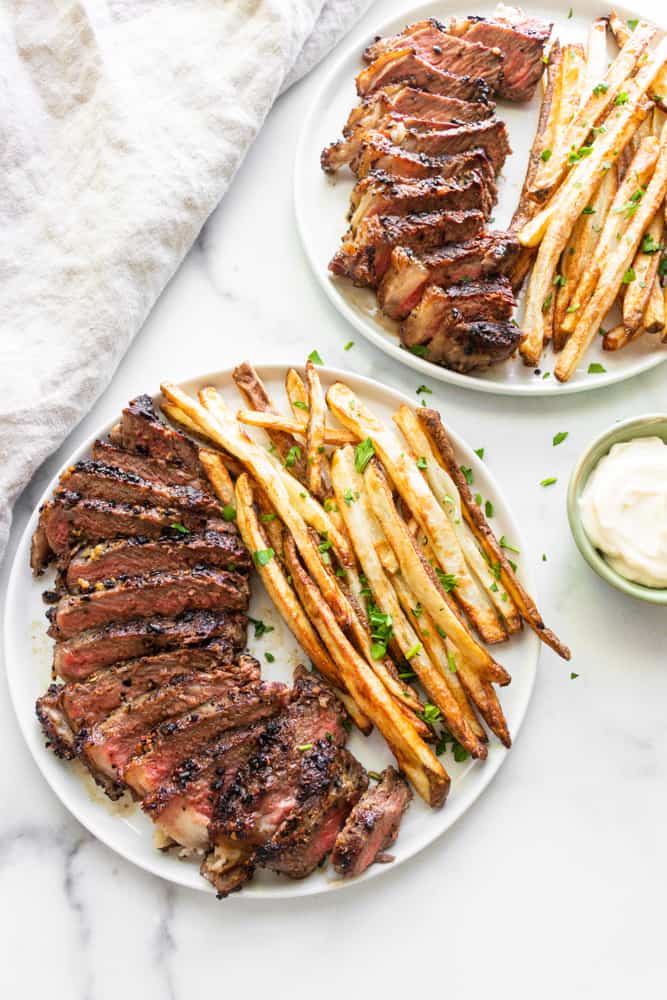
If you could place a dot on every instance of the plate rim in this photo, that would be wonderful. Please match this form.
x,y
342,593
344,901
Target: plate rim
x,y
365,326
453,809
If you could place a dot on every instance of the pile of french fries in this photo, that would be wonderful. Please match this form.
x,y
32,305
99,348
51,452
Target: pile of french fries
x,y
381,562
592,213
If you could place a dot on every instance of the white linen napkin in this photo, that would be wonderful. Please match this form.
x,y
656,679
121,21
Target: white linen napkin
x,y
123,124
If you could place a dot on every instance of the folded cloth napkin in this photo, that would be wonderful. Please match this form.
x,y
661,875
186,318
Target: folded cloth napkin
x,y
124,122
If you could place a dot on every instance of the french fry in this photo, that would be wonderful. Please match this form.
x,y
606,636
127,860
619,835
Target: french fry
x,y
296,391
567,101
617,267
555,239
252,388
315,431
362,527
619,29
406,476
283,597
422,580
622,33
446,493
432,424
621,210
274,421
583,179
599,100
177,416
415,758
616,338
596,56
580,248
219,477
653,320
645,269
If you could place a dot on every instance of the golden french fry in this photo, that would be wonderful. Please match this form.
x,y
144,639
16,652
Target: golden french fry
x,y
615,273
567,101
597,103
296,391
653,320
619,29
446,493
273,421
220,480
415,758
596,56
645,269
432,423
254,391
315,431
404,472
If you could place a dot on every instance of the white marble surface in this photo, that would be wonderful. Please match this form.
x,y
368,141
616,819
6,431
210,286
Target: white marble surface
x,y
551,886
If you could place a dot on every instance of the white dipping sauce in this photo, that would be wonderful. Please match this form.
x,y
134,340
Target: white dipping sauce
x,y
624,510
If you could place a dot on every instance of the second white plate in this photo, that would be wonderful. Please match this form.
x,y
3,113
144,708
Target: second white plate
x,y
322,203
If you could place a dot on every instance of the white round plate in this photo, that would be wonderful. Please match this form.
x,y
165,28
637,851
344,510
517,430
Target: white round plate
x,y
123,826
322,203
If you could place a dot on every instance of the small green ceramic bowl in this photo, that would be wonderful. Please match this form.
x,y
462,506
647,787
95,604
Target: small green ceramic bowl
x,y
651,425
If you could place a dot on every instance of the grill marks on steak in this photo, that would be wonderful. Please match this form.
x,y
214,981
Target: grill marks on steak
x,y
379,153
409,273
372,826
94,649
141,430
168,594
403,66
491,135
154,469
117,560
366,258
382,194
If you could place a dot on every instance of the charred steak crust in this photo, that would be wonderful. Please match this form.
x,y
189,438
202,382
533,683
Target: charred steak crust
x,y
155,469
372,825
142,430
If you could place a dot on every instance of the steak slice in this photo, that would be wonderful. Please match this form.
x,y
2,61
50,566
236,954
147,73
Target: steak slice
x,y
430,41
335,782
382,194
176,741
277,778
104,482
521,40
378,152
58,733
141,430
395,103
116,560
476,344
68,520
409,273
89,651
372,826
366,258
108,746
403,66
168,594
491,135
182,806
491,300
154,469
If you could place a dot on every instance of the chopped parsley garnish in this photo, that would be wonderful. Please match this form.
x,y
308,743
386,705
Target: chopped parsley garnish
x,y
559,280
479,452
363,453
570,14
504,544
229,512
451,662
589,210
447,580
545,155
349,345
467,474
632,23
374,775
408,675
260,627
421,350
559,438
547,302
600,88
268,517
488,508
631,205
621,98
595,368
549,481
305,746
478,499
649,245
424,388
349,497
293,456
572,309
269,657
662,267
417,648
629,276
330,505
262,557
422,463
573,676
314,356
300,405
431,714
382,630
182,530
417,610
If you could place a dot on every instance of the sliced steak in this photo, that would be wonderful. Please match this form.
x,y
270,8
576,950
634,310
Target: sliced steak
x,y
168,594
141,430
490,135
154,469
409,273
476,344
104,482
276,779
117,560
521,40
430,41
332,782
68,520
89,651
366,258
491,300
58,733
378,152
182,806
382,194
108,746
372,826
176,741
403,66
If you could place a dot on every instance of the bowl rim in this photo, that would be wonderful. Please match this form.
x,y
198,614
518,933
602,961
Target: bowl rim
x,y
595,450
